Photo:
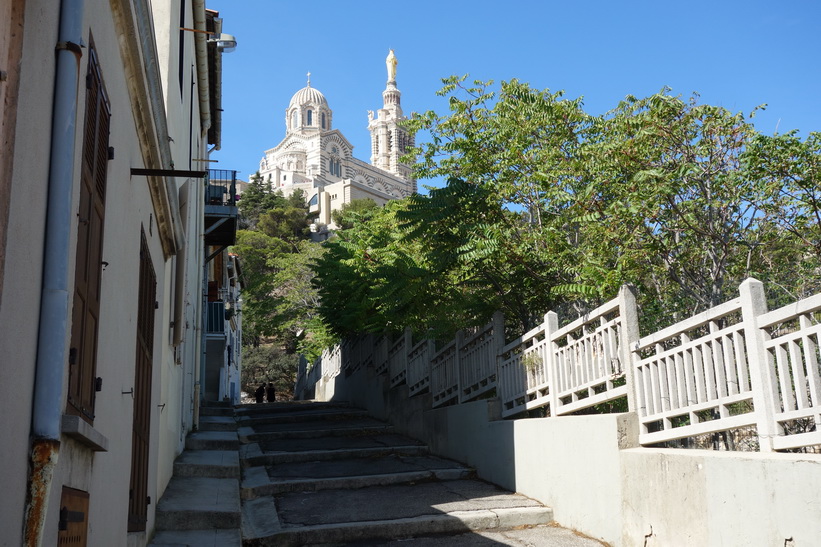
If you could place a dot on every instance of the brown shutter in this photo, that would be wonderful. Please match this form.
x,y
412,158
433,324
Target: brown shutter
x,y
88,267
73,523
138,493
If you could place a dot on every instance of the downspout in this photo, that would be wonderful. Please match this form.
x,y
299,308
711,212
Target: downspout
x,y
54,297
201,45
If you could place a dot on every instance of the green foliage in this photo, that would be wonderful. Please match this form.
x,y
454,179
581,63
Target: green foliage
x,y
682,199
351,212
268,363
279,299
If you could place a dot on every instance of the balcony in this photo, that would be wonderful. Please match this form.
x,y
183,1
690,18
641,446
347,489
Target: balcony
x,y
221,207
215,320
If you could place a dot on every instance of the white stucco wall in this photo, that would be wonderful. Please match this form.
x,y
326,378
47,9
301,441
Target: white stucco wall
x,y
19,312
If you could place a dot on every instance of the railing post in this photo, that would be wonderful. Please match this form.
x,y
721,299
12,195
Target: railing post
x,y
754,304
629,337
551,325
498,343
457,363
408,334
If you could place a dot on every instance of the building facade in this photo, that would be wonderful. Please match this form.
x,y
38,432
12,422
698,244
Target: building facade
x,y
110,109
316,158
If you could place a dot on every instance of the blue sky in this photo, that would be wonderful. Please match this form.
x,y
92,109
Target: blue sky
x,y
736,54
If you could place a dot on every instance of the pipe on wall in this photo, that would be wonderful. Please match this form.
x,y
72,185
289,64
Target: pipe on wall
x,y
54,313
201,45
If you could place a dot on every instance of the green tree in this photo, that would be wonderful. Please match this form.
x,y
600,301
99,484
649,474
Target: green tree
x,y
658,192
348,214
255,200
264,364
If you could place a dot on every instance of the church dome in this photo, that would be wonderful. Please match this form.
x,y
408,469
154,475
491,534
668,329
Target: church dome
x,y
308,111
308,95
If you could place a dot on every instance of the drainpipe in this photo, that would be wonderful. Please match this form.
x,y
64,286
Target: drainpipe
x,y
201,45
54,313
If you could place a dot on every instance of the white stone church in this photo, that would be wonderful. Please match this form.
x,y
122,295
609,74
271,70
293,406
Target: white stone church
x,y
318,159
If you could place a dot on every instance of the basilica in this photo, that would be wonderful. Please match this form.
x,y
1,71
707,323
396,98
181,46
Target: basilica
x,y
317,158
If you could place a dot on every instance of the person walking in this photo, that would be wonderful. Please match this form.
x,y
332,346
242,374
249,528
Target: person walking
x,y
272,396
260,393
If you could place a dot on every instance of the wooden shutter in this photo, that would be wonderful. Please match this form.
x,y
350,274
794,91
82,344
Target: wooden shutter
x,y
88,267
73,523
138,493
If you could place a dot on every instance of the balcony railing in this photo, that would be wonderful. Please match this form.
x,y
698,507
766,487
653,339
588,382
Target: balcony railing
x,y
215,318
222,188
221,207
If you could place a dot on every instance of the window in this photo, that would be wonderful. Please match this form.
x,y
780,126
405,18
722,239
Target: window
x,y
85,318
314,200
323,120
310,117
293,119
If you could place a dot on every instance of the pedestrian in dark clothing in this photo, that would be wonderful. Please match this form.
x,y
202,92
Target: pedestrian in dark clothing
x,y
260,394
272,396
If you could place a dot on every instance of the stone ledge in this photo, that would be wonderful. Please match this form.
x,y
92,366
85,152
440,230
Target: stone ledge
x,y
81,431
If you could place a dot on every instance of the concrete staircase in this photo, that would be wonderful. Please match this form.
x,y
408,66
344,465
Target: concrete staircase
x,y
325,474
201,506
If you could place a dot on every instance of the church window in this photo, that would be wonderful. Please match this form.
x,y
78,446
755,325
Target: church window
x,y
310,117
293,119
323,120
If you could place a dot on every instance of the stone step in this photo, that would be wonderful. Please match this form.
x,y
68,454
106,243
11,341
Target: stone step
x,y
543,535
290,407
257,434
376,440
389,512
319,415
311,476
198,538
197,503
212,440
222,410
258,487
217,423
253,458
208,463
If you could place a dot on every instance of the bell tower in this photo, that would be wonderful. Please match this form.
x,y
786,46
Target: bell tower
x,y
389,141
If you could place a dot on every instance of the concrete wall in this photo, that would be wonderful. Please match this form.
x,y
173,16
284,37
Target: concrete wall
x,y
590,470
696,497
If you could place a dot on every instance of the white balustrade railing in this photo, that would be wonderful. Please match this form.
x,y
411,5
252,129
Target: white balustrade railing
x,y
692,377
444,373
791,342
477,359
587,363
380,354
524,380
418,372
398,359
733,367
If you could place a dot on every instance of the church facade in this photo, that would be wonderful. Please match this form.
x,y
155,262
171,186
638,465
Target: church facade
x,y
316,158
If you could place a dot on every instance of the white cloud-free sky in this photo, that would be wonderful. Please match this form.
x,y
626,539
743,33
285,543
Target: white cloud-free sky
x,y
736,54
